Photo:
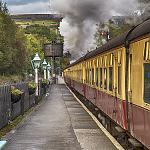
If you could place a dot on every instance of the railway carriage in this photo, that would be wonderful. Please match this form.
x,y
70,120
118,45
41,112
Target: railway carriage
x,y
116,79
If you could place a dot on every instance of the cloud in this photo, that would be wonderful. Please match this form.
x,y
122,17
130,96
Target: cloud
x,y
36,7
23,2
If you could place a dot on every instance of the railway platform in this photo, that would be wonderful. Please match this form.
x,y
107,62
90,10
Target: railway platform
x,y
59,123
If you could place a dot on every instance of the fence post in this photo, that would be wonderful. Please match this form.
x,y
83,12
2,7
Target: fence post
x,y
22,103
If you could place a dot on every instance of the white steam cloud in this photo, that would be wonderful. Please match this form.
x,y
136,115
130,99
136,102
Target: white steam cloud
x,y
81,17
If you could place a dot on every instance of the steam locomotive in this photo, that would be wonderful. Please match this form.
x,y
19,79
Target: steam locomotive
x,y
116,79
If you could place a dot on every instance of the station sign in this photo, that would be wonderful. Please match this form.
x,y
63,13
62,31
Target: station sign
x,y
53,50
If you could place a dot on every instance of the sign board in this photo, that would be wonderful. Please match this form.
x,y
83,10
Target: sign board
x,y
53,50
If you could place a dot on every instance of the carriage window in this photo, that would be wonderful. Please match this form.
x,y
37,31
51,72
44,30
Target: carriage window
x,y
97,77
88,76
85,75
79,75
81,78
105,78
147,83
92,76
110,78
101,83
147,51
119,80
110,72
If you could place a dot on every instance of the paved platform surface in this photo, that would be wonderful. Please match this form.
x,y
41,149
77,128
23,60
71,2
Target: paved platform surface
x,y
60,123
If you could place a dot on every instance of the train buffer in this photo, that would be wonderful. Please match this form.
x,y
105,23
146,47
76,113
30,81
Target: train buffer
x,y
59,123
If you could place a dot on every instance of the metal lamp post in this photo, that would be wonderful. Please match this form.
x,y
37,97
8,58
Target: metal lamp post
x,y
48,71
44,67
36,65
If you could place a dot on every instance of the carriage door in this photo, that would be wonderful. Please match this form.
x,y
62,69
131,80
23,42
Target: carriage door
x,y
129,112
115,76
118,111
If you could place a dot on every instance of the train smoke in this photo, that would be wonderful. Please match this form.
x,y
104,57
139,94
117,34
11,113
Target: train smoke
x,y
81,17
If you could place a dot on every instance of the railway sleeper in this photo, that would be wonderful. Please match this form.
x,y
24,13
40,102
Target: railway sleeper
x,y
121,136
136,145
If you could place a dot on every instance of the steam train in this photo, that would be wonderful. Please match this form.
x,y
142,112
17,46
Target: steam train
x,y
116,79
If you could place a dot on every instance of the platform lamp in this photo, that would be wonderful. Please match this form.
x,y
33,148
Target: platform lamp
x,y
48,71
44,64
36,64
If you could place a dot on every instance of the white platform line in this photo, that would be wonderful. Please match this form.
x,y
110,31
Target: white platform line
x,y
111,138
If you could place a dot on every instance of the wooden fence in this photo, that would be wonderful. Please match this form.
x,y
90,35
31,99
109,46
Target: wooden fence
x,y
5,105
9,110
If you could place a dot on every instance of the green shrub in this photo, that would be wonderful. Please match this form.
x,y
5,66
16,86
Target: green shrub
x,y
15,91
31,88
15,94
45,81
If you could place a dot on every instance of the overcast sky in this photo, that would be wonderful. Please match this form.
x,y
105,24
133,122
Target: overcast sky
x,y
28,6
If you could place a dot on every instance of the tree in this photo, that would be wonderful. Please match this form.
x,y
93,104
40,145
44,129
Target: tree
x,y
18,46
13,55
5,9
116,31
42,32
